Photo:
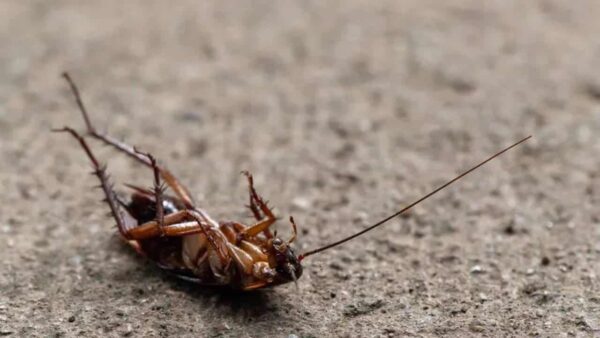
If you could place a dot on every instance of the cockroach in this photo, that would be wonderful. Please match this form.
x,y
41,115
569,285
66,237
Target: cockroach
x,y
180,237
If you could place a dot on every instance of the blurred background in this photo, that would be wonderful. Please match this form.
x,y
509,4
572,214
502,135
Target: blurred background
x,y
344,111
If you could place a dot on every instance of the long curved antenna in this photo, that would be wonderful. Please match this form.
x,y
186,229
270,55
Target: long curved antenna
x,y
385,220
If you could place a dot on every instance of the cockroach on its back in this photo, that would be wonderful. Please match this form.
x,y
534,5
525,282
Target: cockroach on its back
x,y
183,239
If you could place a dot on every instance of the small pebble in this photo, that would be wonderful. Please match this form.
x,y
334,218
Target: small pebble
x,y
128,330
225,327
476,326
476,269
301,203
545,261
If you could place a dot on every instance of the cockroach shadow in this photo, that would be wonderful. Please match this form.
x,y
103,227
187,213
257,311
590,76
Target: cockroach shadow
x,y
254,304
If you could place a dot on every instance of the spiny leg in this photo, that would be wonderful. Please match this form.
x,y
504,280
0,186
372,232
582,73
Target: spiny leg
x,y
100,172
256,204
158,194
169,178
252,203
217,241
253,208
180,223
170,225
295,231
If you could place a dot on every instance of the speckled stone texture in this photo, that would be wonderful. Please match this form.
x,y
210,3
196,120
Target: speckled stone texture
x,y
344,111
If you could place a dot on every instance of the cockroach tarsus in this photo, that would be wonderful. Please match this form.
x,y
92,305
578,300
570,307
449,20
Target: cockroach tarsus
x,y
183,239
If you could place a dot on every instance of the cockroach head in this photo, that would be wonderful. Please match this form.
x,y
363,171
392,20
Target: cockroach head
x,y
287,264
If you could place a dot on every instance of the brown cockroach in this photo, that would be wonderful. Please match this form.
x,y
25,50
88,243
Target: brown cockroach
x,y
183,239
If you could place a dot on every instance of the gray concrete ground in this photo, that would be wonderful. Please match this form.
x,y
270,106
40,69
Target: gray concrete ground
x,y
344,111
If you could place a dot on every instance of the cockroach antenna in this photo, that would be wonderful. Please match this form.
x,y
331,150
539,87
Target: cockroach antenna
x,y
408,207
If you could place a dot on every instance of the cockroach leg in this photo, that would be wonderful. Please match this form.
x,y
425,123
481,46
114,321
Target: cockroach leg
x,y
255,285
180,223
253,207
175,224
257,228
169,178
100,172
295,229
256,204
217,240
229,232
158,194
243,260
254,251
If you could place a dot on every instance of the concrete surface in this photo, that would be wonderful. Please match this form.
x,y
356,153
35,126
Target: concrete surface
x,y
344,111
